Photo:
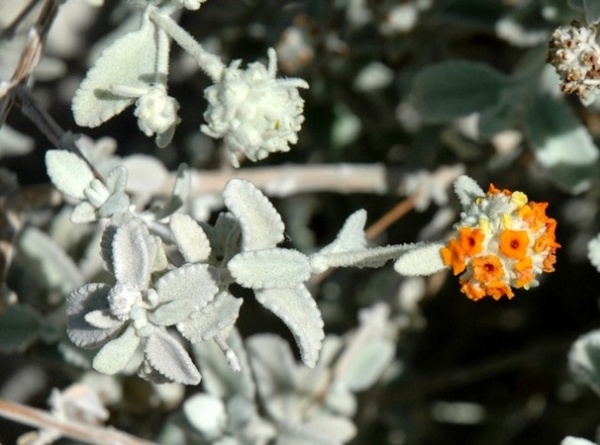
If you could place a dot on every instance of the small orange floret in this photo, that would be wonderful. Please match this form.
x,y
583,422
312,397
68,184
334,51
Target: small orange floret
x,y
452,255
470,240
487,268
524,271
514,243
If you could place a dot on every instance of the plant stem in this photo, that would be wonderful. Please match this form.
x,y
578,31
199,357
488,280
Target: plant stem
x,y
72,429
210,63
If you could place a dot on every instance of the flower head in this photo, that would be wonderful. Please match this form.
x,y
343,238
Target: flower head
x,y
253,111
157,114
575,53
503,241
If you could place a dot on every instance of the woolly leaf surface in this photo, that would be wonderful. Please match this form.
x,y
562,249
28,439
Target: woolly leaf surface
x,y
47,262
68,172
206,414
270,268
131,61
467,190
115,355
84,213
214,318
423,260
351,236
189,237
89,298
298,310
366,257
368,364
172,312
170,359
262,226
131,253
193,281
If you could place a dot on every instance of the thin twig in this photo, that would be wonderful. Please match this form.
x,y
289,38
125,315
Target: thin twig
x,y
394,215
74,430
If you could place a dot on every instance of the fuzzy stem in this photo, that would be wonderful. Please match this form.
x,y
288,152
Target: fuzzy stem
x,y
72,429
210,63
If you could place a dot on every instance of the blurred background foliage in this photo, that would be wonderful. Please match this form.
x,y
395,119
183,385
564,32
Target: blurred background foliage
x,y
412,85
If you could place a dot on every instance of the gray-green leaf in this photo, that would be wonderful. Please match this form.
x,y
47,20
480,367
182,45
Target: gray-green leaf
x,y
192,281
216,317
453,89
189,237
114,356
132,248
270,268
299,311
169,358
89,298
68,172
262,226
130,61
561,144
19,327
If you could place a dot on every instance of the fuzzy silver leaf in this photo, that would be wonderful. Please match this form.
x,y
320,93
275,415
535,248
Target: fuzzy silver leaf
x,y
89,298
368,364
193,281
189,237
216,317
170,359
467,190
422,260
130,61
299,311
83,213
102,319
270,268
172,312
44,258
115,355
352,235
365,257
132,247
68,172
262,226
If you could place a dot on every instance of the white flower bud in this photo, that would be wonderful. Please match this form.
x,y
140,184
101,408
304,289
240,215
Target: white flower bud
x,y
253,111
157,114
121,299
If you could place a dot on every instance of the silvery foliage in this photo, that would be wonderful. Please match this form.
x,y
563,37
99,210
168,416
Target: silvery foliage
x,y
300,405
134,320
254,112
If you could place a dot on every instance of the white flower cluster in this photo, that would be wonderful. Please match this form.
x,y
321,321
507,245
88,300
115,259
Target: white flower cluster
x,y
253,111
575,54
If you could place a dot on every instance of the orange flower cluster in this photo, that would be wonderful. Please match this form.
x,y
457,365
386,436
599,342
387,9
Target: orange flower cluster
x,y
503,241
